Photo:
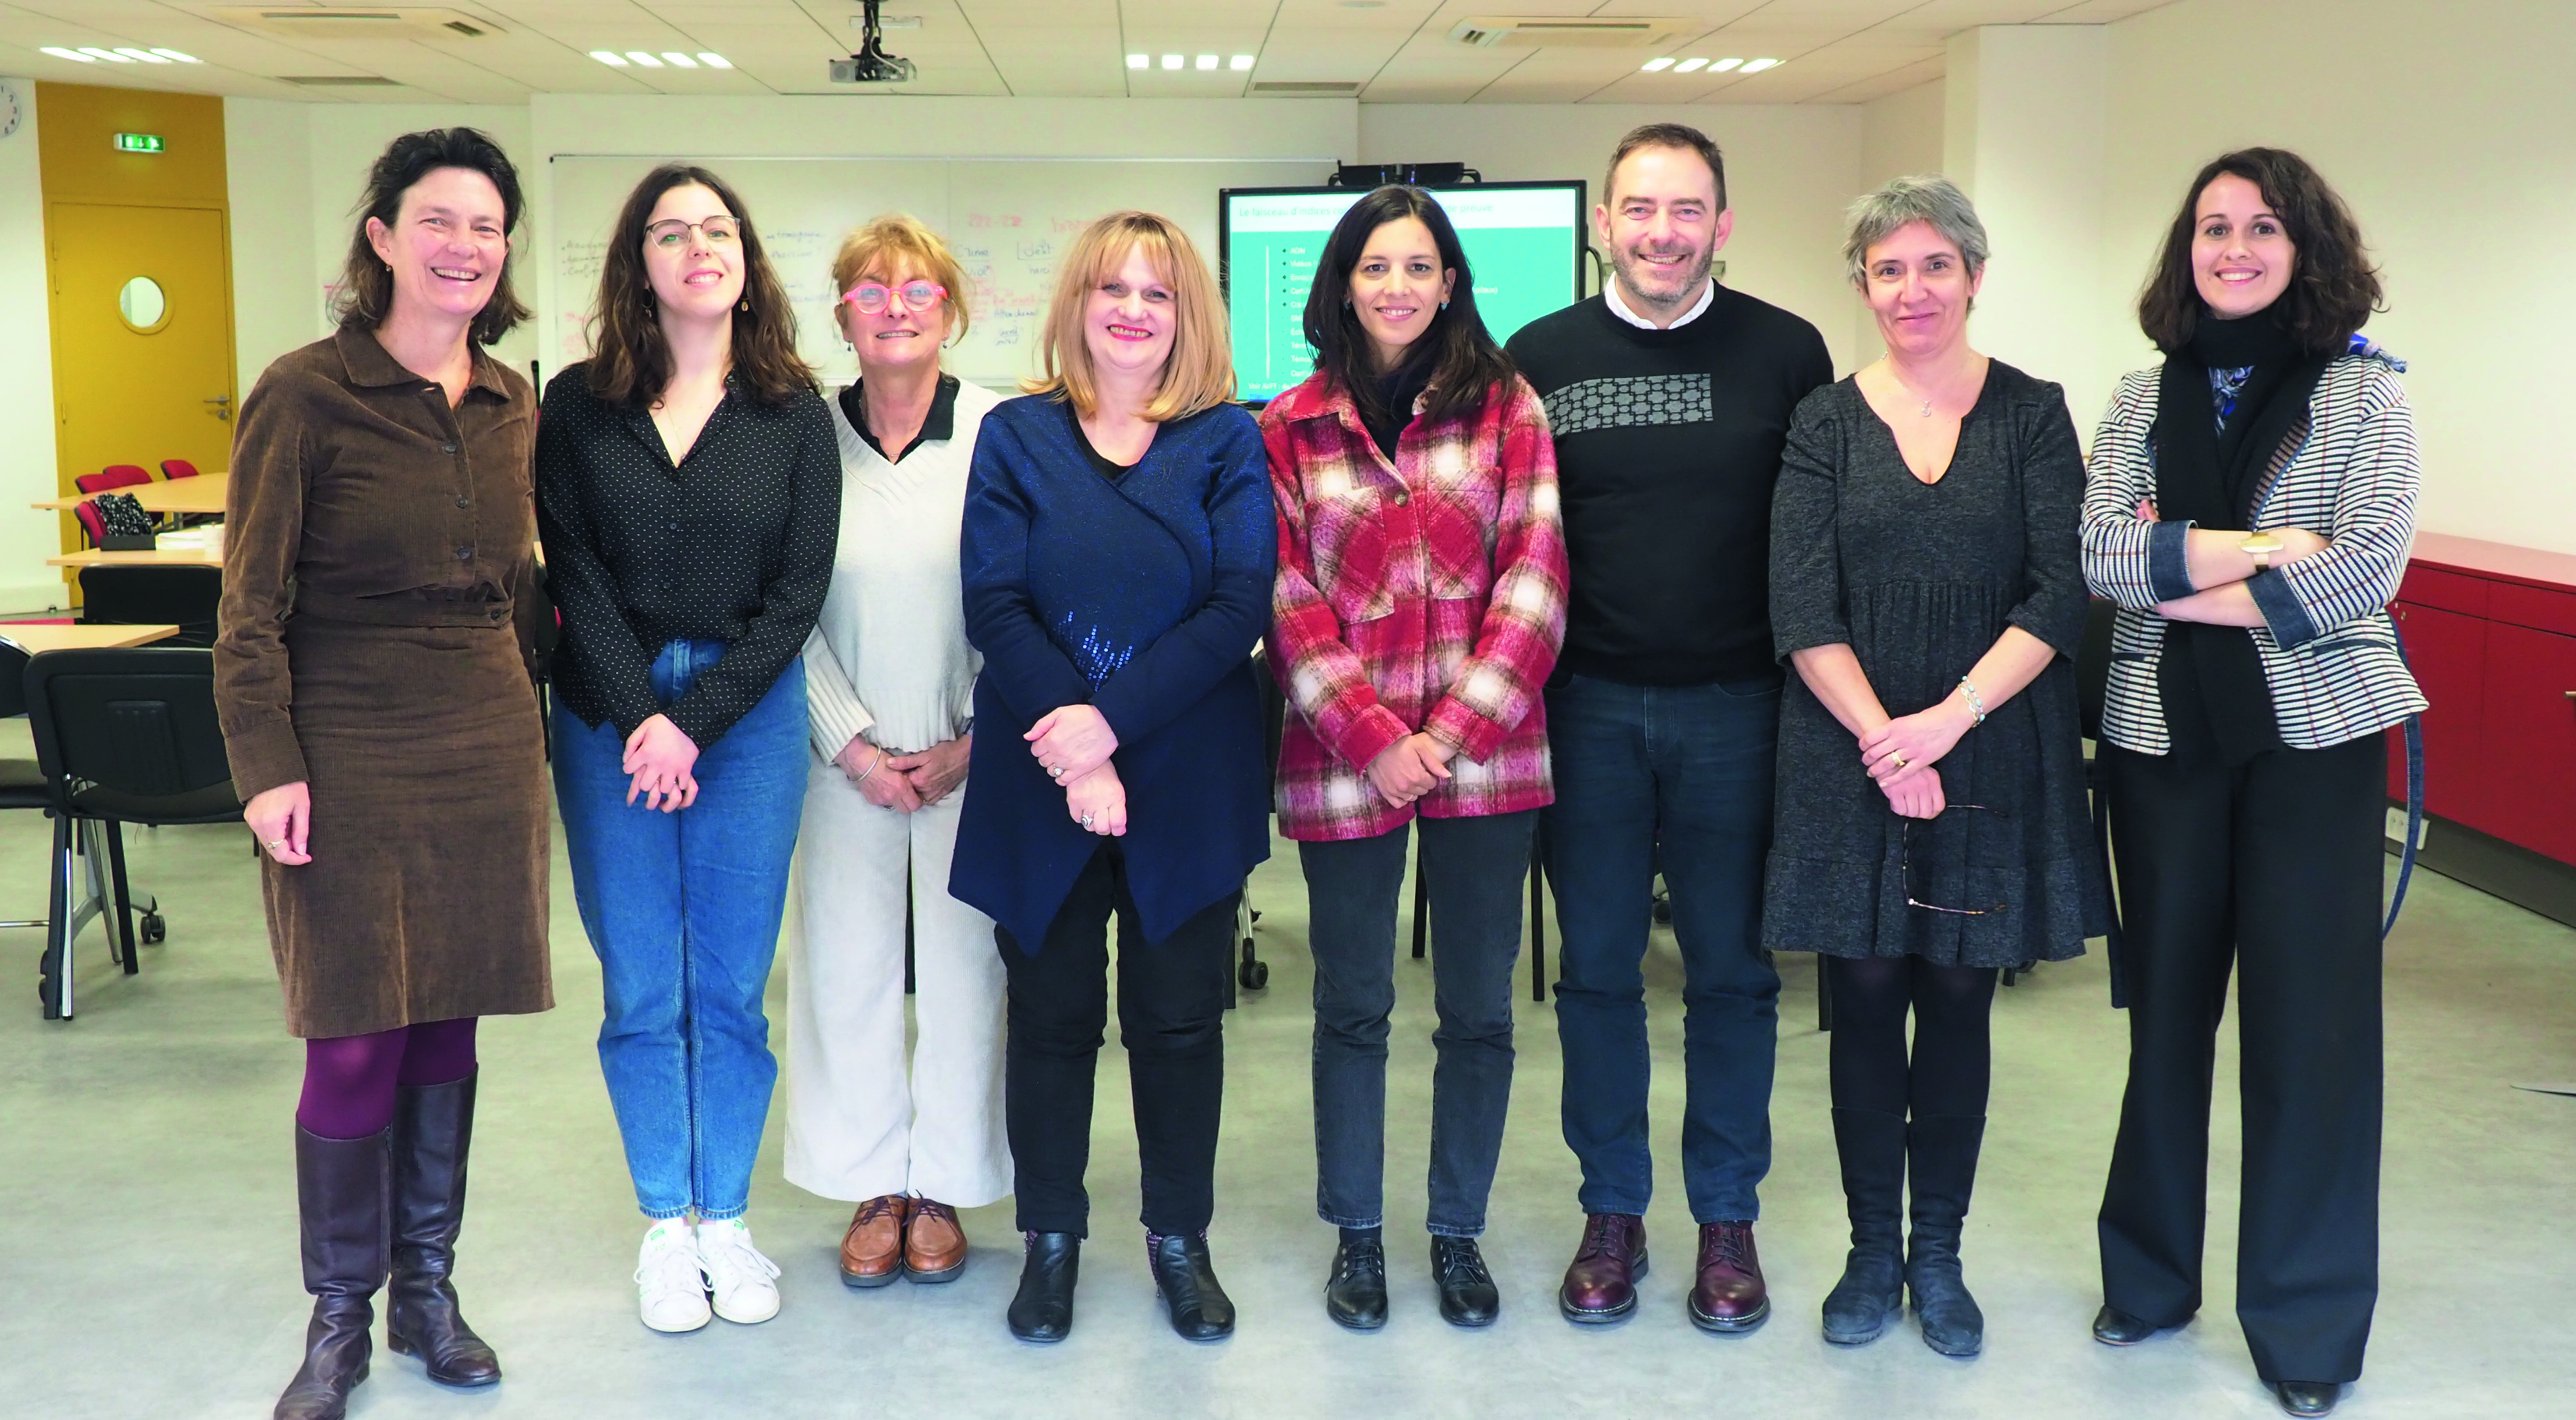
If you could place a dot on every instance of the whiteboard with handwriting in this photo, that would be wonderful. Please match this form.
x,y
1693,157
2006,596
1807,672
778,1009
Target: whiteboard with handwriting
x,y
1006,219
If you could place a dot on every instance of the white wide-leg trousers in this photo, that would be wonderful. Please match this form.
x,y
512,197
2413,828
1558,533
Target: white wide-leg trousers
x,y
860,1124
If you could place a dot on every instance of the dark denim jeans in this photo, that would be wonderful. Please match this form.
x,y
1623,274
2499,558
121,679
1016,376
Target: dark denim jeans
x,y
1473,869
1680,776
683,909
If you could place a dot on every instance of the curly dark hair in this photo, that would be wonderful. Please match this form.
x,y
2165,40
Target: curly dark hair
x,y
1466,363
2332,293
366,288
630,361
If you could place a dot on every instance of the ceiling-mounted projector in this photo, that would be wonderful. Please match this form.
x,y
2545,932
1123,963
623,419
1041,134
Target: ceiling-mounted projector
x,y
872,65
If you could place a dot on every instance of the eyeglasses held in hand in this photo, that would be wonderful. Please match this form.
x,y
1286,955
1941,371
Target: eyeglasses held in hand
x,y
718,232
1906,849
872,296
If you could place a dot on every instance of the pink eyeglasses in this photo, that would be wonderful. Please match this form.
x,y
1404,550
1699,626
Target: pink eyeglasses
x,y
872,296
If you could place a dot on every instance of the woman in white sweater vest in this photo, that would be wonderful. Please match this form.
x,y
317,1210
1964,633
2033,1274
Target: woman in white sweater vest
x,y
890,684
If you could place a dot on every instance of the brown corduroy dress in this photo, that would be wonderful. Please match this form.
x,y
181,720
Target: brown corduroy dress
x,y
376,641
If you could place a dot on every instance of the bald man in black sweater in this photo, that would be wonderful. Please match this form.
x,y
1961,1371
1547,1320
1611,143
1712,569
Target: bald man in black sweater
x,y
1670,398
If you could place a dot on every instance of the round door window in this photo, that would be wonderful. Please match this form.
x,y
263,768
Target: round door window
x,y
143,304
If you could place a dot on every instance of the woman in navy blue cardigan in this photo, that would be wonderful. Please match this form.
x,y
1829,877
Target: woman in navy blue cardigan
x,y
1118,553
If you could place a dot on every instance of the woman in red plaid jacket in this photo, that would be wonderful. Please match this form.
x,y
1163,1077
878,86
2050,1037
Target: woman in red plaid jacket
x,y
1419,607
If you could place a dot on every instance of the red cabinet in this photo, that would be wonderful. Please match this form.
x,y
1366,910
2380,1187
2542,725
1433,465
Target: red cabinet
x,y
2490,632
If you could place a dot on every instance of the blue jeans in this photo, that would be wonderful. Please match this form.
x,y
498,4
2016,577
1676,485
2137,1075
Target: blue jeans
x,y
1473,869
683,909
1680,776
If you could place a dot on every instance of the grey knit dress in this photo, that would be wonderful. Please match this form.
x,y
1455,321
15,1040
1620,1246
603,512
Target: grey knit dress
x,y
1920,579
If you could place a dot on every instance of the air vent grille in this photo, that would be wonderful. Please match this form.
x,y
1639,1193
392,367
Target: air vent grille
x,y
377,22
1307,88
1570,31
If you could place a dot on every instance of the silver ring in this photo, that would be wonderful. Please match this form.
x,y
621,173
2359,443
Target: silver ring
x,y
1055,771
277,843
1086,820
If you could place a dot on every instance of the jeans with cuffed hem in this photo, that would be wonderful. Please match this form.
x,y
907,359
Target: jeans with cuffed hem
x,y
1472,869
1678,778
683,909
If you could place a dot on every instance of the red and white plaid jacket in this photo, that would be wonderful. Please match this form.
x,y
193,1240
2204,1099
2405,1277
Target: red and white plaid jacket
x,y
1423,594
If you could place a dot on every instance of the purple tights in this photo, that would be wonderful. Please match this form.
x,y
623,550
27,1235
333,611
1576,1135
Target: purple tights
x,y
349,1080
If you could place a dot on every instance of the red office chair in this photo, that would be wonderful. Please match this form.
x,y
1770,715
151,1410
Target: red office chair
x,y
115,475
93,527
177,469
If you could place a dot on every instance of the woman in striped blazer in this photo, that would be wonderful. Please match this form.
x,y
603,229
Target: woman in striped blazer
x,y
2249,507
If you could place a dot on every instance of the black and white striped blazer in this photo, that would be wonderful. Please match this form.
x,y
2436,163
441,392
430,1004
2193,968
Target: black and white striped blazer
x,y
2348,473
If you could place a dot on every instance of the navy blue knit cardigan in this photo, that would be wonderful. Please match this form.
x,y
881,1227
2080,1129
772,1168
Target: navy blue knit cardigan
x,y
1143,598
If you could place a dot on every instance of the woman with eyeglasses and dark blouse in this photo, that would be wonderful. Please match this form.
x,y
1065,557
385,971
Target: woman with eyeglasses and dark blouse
x,y
1931,826
689,491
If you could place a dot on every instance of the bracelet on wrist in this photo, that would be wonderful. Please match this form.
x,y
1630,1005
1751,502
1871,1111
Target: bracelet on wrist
x,y
1976,702
872,766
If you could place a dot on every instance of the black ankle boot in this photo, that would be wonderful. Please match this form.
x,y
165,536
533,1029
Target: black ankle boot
x,y
340,1195
433,1125
1042,1310
1468,1296
1201,1311
1872,1290
1355,1295
1941,1154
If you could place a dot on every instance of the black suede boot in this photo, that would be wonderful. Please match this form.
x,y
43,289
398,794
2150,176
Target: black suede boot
x,y
433,1125
1201,1311
1042,1310
340,1194
1941,1156
1871,1144
1355,1295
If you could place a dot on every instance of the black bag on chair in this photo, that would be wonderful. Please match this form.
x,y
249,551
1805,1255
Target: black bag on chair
x,y
129,528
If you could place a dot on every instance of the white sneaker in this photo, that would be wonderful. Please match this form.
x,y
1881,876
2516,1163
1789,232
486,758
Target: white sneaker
x,y
743,1281
670,1287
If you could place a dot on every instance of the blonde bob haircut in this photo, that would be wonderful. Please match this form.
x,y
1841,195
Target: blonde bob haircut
x,y
1199,373
893,245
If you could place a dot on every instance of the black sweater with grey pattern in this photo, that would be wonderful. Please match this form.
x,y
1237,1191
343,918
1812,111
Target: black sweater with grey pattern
x,y
1667,446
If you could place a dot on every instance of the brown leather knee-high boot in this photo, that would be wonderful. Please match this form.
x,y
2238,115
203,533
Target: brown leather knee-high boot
x,y
340,1189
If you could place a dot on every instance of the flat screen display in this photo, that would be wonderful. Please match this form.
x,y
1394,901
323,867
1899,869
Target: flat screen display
x,y
1524,244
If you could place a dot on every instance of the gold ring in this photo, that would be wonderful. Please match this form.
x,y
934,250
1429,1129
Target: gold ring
x,y
1898,758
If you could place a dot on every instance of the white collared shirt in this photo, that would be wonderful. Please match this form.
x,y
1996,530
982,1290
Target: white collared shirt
x,y
1619,308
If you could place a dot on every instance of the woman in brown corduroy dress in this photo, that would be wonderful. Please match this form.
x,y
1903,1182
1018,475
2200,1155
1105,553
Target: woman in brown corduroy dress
x,y
373,676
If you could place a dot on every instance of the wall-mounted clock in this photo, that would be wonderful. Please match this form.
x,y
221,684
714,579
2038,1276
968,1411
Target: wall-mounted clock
x,y
12,110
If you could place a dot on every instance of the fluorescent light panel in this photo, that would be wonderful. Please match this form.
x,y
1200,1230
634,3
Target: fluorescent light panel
x,y
173,54
1171,61
1140,61
145,55
1240,63
640,58
73,55
111,56
677,60
1756,66
1658,64
1723,65
714,61
1207,61
609,57
1687,65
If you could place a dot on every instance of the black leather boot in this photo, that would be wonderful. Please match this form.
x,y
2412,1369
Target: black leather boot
x,y
1871,1144
1941,1156
1201,1311
1042,1310
340,1195
1468,1296
433,1125
1355,1295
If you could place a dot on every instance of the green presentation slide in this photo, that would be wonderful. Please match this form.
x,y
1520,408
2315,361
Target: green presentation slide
x,y
1520,242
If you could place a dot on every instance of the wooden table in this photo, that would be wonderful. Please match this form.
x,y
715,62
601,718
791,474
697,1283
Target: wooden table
x,y
200,495
157,557
37,637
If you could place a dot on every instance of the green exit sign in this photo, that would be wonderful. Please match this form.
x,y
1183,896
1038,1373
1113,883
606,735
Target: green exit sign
x,y
138,142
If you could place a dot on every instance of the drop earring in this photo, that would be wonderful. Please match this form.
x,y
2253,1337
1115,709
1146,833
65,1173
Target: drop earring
x,y
745,307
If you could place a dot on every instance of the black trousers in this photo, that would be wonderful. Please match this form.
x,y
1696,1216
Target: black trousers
x,y
2274,867
1171,1018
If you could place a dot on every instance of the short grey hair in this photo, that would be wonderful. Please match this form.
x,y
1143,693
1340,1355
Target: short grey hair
x,y
1927,197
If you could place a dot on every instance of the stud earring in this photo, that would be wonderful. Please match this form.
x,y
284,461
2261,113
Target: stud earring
x,y
1444,305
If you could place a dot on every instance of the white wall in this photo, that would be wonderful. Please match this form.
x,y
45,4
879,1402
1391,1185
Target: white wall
x,y
1900,136
1789,171
268,171
2451,130
27,469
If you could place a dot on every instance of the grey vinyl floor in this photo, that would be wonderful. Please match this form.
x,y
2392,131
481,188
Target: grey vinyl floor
x,y
148,1257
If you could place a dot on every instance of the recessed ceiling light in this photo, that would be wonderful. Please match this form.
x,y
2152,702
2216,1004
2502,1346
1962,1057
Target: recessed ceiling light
x,y
147,56
1171,61
641,58
1140,61
1723,65
1688,65
1756,66
1207,61
73,55
609,57
174,54
1240,62
111,56
678,60
1658,64
714,61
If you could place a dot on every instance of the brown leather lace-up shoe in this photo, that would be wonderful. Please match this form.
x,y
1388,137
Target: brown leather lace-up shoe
x,y
1601,1285
1729,1295
934,1245
872,1250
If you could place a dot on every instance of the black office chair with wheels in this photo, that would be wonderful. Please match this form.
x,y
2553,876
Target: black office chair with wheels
x,y
22,782
138,595
123,736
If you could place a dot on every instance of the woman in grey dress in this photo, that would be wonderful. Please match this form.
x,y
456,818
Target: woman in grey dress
x,y
1925,583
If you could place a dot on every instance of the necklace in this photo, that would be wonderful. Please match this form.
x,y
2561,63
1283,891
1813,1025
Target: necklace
x,y
1926,410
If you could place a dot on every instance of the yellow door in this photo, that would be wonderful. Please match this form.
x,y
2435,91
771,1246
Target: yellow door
x,y
143,339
